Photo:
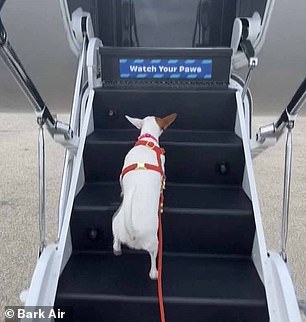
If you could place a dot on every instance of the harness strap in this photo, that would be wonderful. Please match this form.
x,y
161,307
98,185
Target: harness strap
x,y
141,166
151,145
148,135
147,166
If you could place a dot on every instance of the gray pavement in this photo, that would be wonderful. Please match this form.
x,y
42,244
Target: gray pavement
x,y
19,200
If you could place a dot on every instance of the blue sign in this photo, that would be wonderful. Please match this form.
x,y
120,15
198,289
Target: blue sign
x,y
166,68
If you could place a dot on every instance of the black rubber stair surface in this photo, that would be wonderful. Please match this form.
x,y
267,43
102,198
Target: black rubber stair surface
x,y
197,110
208,220
197,218
196,288
191,156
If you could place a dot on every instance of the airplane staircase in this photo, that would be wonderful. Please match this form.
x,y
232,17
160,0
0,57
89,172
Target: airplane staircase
x,y
208,222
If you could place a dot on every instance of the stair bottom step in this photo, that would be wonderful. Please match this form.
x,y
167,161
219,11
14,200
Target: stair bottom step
x,y
102,287
119,311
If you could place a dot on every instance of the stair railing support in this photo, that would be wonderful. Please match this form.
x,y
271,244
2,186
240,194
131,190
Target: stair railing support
x,y
42,184
287,185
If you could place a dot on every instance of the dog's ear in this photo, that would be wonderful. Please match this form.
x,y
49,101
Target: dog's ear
x,y
136,122
165,122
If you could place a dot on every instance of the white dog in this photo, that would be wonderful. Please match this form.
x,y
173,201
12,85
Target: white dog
x,y
135,223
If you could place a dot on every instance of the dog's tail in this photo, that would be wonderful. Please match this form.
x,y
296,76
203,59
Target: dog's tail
x,y
128,210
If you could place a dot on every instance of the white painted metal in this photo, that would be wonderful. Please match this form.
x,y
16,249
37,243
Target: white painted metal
x,y
94,63
75,125
236,35
75,176
83,111
66,181
77,25
275,289
67,251
81,179
42,273
287,301
77,96
44,284
75,47
43,288
254,29
259,248
73,26
70,144
239,60
247,101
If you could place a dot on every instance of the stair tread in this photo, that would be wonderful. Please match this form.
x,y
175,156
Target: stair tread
x,y
193,279
191,156
178,198
197,110
170,137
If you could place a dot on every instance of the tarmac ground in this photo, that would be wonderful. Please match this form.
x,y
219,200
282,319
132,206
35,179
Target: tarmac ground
x,y
19,200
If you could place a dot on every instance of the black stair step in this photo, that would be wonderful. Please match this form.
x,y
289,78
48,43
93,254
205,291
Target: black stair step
x,y
197,110
184,137
191,156
102,287
197,218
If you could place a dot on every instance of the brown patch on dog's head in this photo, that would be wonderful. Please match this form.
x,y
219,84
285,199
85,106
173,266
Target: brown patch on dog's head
x,y
165,122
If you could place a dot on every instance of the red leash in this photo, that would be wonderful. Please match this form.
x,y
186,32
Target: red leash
x,y
160,256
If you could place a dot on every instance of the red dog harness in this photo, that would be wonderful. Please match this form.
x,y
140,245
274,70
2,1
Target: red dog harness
x,y
147,166
158,168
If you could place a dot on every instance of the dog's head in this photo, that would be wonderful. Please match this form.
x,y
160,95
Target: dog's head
x,y
152,124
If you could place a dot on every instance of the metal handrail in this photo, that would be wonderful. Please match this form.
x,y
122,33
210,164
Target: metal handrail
x,y
42,185
276,129
287,120
44,117
12,61
81,85
286,190
293,107
273,132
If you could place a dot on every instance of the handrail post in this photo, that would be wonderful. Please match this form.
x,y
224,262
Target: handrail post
x,y
286,191
42,185
252,64
60,132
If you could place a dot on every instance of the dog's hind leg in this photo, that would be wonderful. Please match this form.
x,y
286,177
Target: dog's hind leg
x,y
153,271
115,227
153,249
117,247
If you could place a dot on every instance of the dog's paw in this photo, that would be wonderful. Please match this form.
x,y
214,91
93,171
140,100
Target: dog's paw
x,y
117,252
117,247
153,274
